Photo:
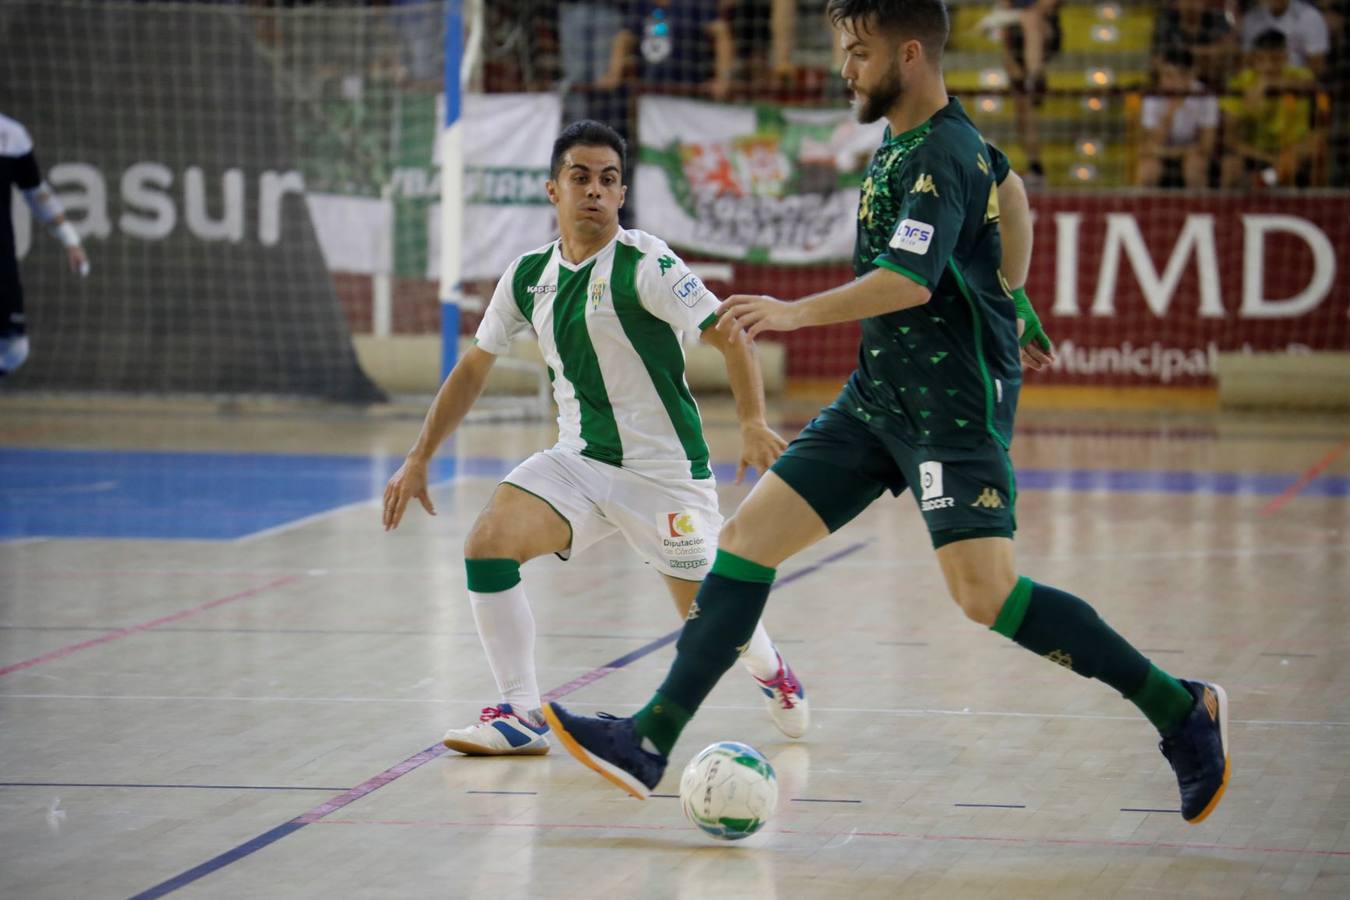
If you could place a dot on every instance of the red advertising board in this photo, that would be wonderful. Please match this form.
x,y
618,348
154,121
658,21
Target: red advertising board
x,y
1146,289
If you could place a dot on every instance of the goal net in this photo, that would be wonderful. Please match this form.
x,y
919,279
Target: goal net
x,y
258,186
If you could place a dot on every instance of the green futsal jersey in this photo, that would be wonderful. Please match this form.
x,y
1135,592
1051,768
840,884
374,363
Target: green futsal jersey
x,y
946,373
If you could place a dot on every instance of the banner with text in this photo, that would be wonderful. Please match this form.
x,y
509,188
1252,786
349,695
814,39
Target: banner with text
x,y
1146,289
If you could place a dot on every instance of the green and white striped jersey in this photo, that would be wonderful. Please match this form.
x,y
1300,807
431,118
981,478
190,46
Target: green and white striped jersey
x,y
611,330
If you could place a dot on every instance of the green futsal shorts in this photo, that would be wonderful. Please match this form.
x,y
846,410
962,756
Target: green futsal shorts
x,y
839,466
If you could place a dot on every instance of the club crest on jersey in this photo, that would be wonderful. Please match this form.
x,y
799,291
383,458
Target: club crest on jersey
x,y
924,185
597,292
689,290
913,236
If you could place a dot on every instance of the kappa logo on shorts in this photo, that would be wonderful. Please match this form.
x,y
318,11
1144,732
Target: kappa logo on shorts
x,y
930,480
913,236
988,499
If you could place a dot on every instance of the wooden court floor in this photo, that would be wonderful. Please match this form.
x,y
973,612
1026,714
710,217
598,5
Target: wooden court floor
x,y
220,678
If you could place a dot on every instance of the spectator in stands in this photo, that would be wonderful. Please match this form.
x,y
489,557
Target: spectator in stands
x,y
1181,126
678,43
1202,29
1027,47
1304,30
1269,133
763,33
586,32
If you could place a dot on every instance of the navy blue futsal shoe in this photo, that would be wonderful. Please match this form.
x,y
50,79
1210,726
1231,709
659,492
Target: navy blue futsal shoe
x,y
1198,751
609,746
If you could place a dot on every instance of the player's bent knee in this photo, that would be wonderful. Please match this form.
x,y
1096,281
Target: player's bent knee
x,y
488,540
730,538
979,599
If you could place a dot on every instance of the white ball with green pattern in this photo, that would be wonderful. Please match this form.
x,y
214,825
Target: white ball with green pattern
x,y
729,790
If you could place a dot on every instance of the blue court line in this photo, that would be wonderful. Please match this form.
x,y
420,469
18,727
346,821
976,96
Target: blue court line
x,y
267,838
193,787
47,493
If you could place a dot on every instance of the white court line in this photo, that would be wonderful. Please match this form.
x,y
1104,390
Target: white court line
x,y
902,712
373,502
913,562
21,541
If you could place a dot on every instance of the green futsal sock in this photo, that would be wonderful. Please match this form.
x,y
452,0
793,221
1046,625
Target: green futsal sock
x,y
720,624
1065,630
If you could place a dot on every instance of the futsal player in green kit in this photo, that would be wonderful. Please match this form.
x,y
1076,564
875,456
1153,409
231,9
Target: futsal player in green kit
x,y
929,409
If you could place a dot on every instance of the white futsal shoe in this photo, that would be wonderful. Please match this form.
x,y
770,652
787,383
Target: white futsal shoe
x,y
785,699
499,731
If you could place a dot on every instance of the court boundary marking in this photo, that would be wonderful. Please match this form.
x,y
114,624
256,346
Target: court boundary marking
x,y
852,833
118,634
417,760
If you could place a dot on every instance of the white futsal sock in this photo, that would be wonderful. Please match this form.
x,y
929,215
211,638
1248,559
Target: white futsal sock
x,y
506,628
760,658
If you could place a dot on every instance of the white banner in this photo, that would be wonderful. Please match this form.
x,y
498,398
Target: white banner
x,y
758,183
507,139
507,142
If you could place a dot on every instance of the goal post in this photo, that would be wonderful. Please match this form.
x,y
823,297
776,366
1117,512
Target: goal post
x,y
452,186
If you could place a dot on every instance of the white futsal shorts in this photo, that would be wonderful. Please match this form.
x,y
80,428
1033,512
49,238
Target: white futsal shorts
x,y
672,524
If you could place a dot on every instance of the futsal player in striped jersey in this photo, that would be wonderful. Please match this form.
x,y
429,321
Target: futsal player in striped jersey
x,y
611,309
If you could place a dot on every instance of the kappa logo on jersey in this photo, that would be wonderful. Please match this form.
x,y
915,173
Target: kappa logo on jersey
x,y
689,290
924,185
597,292
988,499
541,289
665,262
930,480
912,236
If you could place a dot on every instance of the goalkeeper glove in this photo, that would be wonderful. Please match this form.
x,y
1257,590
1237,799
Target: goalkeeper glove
x,y
1031,323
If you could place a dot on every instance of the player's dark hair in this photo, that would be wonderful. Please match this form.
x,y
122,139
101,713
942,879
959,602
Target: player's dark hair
x,y
589,133
925,21
1270,39
1179,57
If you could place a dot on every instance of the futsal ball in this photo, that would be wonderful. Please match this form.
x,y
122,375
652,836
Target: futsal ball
x,y
729,790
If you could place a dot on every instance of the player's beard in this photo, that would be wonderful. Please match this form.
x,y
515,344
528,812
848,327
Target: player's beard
x,y
880,99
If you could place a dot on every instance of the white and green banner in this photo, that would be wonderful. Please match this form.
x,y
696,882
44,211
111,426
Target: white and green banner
x,y
756,183
507,142
389,222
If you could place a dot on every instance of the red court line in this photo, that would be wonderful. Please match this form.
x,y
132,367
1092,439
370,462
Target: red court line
x,y
897,835
144,626
1305,479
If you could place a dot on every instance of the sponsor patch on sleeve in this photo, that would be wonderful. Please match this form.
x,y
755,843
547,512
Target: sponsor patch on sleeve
x,y
912,236
689,290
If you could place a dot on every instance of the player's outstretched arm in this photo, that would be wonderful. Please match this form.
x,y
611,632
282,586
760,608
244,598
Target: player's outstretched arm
x,y
760,444
453,402
878,292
